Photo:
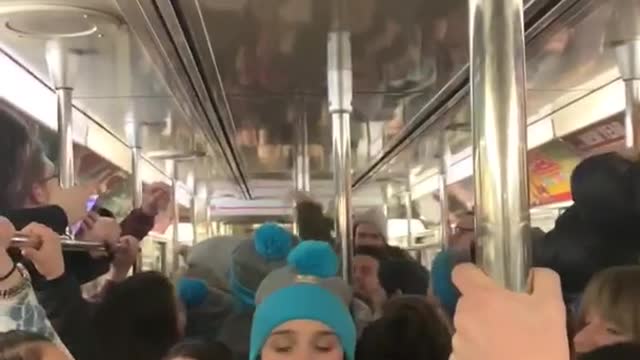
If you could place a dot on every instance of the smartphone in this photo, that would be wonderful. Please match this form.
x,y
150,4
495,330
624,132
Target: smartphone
x,y
92,205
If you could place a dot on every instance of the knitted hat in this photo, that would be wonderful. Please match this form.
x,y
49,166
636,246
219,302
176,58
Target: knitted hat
x,y
252,260
309,256
375,217
305,293
192,292
441,282
210,260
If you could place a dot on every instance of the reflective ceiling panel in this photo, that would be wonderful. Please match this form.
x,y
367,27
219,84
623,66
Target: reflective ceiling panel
x,y
570,59
271,60
117,82
566,62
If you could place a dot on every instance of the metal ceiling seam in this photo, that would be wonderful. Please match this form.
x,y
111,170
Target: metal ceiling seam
x,y
171,74
459,84
425,118
173,33
208,99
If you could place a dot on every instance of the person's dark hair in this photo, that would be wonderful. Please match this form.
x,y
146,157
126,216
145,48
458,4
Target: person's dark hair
x,y
577,251
379,253
602,191
410,329
21,345
312,224
104,212
138,319
405,276
200,350
622,351
15,150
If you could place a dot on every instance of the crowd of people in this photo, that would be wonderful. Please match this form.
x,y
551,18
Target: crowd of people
x,y
274,295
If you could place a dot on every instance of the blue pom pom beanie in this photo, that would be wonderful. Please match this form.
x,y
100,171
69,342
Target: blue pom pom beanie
x,y
253,259
192,292
302,301
306,289
441,282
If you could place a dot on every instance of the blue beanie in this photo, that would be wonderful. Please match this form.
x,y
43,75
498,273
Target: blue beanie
x,y
305,290
192,292
302,301
441,282
252,260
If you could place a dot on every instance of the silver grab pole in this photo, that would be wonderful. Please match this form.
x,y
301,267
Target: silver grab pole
x,y
499,140
62,68
443,165
623,35
340,93
136,153
175,241
207,209
302,171
22,240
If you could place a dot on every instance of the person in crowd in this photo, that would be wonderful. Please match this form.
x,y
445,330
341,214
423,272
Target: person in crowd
x,y
199,350
410,329
495,324
138,319
370,229
442,287
302,309
610,309
251,261
598,231
406,277
460,249
32,194
24,345
366,283
15,146
70,313
19,308
206,308
210,260
620,351
312,223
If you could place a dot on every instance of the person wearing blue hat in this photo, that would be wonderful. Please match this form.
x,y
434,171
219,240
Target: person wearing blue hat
x,y
251,261
302,310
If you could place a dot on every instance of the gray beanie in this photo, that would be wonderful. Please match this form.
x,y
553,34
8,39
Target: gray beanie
x,y
374,216
210,260
309,257
253,259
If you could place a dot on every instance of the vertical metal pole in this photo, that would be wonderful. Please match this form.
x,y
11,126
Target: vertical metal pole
x,y
499,140
339,79
136,191
175,242
443,165
62,70
409,213
207,211
136,153
632,113
623,35
194,217
65,134
302,171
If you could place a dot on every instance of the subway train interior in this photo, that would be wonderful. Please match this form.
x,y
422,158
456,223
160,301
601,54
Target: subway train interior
x,y
244,108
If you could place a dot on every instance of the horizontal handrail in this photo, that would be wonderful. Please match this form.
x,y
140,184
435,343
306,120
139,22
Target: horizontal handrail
x,y
22,240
